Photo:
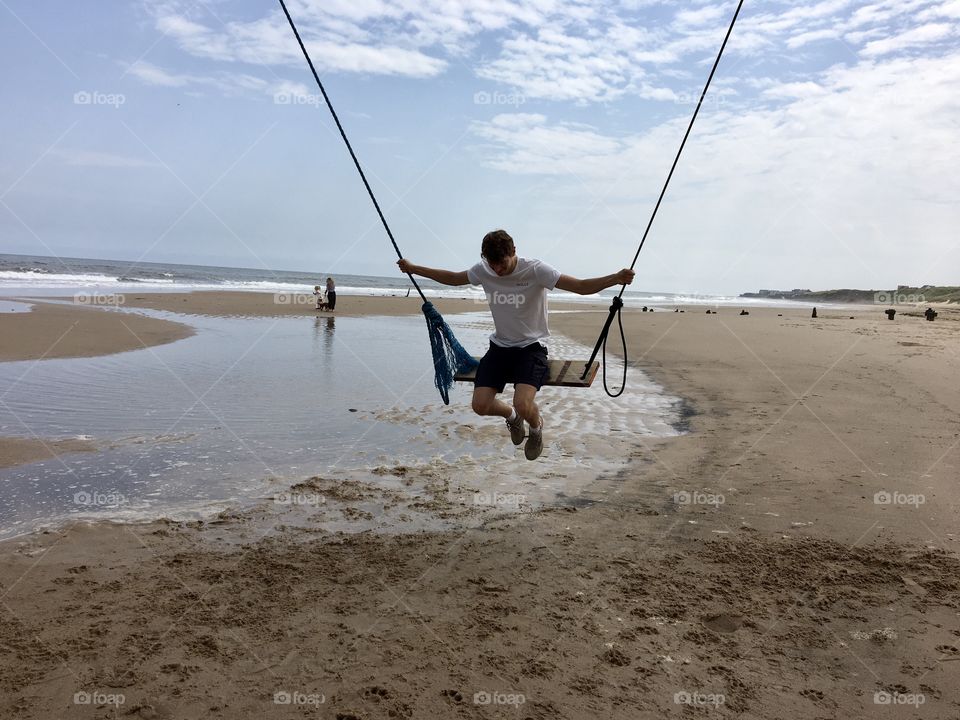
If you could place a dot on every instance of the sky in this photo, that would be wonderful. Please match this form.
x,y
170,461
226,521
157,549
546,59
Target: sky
x,y
826,154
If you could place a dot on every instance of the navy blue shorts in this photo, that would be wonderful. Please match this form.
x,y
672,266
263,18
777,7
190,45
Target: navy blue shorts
x,y
527,365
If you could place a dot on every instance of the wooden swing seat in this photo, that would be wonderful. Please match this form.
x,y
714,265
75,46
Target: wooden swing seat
x,y
563,373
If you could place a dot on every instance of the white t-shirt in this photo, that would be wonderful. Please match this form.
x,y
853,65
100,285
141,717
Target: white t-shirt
x,y
518,301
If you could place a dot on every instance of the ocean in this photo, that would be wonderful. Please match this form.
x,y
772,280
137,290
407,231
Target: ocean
x,y
31,274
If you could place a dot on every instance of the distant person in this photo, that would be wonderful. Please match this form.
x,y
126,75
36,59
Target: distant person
x,y
814,313
516,290
318,293
331,294
930,314
890,313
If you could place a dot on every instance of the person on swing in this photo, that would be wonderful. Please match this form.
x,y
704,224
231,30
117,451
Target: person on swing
x,y
516,290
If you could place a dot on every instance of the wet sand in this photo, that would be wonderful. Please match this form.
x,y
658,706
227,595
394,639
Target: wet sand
x,y
70,331
794,555
19,451
67,331
250,304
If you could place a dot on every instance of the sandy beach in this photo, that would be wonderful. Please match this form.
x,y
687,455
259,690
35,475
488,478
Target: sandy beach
x,y
50,331
252,304
793,555
20,451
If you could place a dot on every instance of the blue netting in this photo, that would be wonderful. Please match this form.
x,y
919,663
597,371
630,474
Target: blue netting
x,y
449,357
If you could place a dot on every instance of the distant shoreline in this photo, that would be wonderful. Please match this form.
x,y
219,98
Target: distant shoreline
x,y
903,295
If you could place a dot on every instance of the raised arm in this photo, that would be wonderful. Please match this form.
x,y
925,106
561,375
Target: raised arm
x,y
594,285
444,277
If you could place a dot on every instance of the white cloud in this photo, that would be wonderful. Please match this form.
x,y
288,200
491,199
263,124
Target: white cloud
x,y
701,16
949,9
227,83
795,90
269,41
884,11
581,51
923,35
150,74
858,37
557,66
845,160
810,36
376,60
525,143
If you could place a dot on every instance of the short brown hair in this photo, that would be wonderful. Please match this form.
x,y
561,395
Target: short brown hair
x,y
497,246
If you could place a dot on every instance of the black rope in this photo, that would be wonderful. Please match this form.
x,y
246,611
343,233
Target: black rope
x,y
349,146
617,302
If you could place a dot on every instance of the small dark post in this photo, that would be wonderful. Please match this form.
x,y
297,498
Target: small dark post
x,y
814,313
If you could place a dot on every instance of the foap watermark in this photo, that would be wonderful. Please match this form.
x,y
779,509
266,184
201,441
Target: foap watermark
x,y
98,698
501,298
498,499
285,298
297,498
694,298
700,699
885,497
494,697
894,297
884,697
295,697
292,98
95,498
695,497
95,97
713,100
498,98
109,299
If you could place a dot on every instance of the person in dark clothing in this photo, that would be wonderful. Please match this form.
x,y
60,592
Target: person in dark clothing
x,y
331,294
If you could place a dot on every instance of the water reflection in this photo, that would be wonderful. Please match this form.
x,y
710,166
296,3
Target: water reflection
x,y
323,328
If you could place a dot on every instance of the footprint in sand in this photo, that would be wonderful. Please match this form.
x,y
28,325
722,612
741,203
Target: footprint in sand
x,y
723,622
615,657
